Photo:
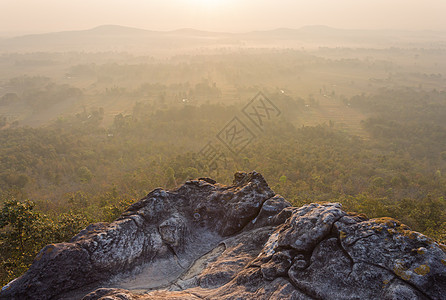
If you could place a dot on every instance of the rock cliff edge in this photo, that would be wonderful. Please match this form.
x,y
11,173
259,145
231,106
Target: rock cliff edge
x,y
210,241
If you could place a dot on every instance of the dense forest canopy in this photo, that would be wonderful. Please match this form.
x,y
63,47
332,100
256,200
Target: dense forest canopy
x,y
84,135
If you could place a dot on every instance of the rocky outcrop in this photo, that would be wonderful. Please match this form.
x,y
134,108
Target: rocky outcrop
x,y
209,241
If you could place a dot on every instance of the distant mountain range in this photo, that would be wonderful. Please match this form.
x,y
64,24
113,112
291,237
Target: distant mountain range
x,y
121,38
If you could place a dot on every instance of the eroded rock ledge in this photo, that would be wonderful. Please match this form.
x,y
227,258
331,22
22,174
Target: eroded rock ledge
x,y
209,241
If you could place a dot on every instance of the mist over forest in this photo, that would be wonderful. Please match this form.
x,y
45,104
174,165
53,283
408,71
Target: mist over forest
x,y
93,120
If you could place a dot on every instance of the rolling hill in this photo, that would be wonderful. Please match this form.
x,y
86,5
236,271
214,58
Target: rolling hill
x,y
128,39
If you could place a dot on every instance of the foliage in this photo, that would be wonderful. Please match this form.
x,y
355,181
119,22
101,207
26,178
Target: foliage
x,y
24,232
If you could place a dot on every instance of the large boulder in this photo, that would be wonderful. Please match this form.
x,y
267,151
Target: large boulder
x,y
206,240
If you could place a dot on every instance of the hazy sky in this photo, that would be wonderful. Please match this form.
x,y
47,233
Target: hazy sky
x,y
220,15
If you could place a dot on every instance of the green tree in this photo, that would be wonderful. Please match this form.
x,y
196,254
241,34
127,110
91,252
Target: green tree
x,y
17,221
283,179
84,174
170,176
19,217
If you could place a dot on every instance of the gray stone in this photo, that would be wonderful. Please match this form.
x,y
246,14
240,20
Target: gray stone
x,y
209,241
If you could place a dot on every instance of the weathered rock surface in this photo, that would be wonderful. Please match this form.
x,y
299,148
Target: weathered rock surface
x,y
209,241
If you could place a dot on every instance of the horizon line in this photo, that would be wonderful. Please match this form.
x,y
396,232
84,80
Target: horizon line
x,y
22,33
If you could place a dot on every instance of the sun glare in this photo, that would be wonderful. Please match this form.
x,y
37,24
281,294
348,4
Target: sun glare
x,y
209,4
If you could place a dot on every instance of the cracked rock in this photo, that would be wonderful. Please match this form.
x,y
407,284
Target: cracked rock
x,y
209,241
